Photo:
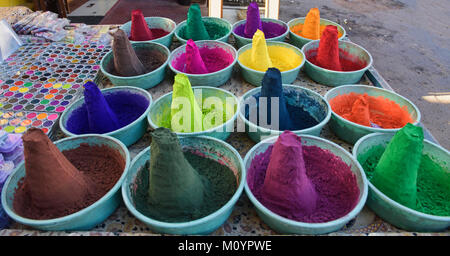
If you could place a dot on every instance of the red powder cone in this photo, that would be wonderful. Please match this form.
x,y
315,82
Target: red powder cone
x,y
139,28
194,62
51,181
328,52
360,111
286,187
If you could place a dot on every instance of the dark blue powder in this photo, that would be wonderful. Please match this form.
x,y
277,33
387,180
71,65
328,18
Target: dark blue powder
x,y
295,102
127,107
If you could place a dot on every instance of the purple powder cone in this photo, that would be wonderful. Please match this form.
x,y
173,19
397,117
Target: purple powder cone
x,y
253,21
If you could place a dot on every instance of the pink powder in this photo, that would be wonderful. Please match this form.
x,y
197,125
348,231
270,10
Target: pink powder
x,y
214,58
332,180
194,62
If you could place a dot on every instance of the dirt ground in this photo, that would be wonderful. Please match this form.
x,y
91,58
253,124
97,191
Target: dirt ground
x,y
409,42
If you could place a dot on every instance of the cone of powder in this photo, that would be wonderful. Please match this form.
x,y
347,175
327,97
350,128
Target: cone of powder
x,y
139,27
360,111
126,62
51,181
175,188
101,118
287,190
253,21
311,26
396,173
328,52
260,59
195,28
194,62
186,115
272,87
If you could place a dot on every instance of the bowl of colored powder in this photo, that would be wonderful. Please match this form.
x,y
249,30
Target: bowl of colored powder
x,y
304,184
119,112
195,111
161,30
274,30
254,59
184,185
300,110
358,110
206,63
411,190
216,29
334,62
140,64
298,36
72,184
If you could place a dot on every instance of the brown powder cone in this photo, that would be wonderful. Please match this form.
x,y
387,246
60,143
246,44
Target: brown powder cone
x,y
51,181
126,62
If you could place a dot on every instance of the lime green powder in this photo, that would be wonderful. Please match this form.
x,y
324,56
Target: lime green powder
x,y
211,117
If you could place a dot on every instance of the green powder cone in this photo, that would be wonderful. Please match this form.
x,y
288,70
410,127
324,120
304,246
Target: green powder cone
x,y
396,173
186,115
195,29
175,188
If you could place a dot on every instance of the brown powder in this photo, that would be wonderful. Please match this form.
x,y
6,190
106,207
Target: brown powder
x,y
58,184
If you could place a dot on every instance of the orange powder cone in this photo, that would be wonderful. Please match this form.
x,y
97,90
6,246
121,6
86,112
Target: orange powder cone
x,y
360,111
311,27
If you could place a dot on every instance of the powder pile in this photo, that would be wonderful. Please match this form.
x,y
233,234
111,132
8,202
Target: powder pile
x,y
133,62
311,28
261,57
406,175
179,187
202,60
289,116
198,29
330,56
371,111
302,183
58,184
140,30
195,29
190,114
253,23
105,113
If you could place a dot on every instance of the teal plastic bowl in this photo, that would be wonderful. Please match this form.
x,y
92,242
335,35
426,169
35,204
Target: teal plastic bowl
x,y
145,81
299,41
156,22
128,134
214,79
161,109
336,78
209,147
255,77
241,41
86,218
287,226
294,95
208,21
350,131
393,212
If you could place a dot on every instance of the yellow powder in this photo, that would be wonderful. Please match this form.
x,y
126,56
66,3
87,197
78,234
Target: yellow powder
x,y
261,57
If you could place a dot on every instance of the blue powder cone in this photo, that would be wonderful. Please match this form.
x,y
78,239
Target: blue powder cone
x,y
101,118
272,87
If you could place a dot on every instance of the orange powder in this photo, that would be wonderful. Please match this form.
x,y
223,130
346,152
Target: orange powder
x,y
311,28
369,110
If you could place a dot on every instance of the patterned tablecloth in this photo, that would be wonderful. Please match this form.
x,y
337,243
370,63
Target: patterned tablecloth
x,y
244,219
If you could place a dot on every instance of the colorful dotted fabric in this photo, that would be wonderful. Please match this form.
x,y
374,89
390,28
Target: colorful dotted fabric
x,y
19,122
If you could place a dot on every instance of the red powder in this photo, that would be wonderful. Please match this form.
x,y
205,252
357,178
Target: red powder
x,y
139,27
330,56
381,111
157,33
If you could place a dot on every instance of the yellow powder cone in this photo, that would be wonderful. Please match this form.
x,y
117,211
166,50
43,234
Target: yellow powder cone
x,y
186,115
260,59
311,27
